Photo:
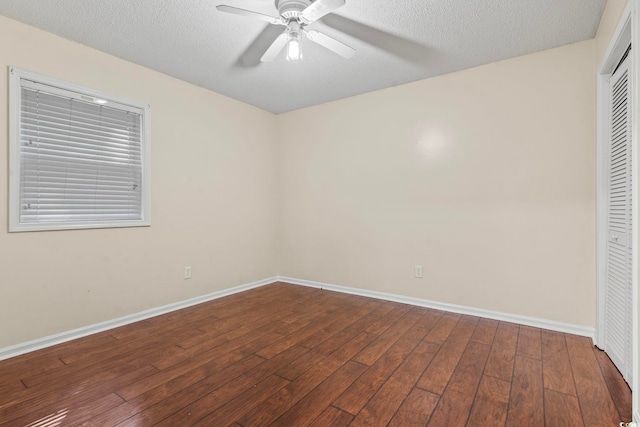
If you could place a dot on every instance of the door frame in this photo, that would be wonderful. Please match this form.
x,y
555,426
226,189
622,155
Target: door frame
x,y
626,32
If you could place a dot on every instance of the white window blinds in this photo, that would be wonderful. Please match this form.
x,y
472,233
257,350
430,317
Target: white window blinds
x,y
80,160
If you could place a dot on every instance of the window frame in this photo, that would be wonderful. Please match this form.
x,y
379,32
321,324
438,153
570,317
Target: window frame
x,y
15,103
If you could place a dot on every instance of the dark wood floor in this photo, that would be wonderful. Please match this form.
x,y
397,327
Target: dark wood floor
x,y
294,356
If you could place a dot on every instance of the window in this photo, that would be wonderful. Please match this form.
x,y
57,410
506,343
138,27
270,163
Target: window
x,y
78,158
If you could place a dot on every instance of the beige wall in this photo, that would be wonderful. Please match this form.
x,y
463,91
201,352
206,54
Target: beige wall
x,y
486,177
213,202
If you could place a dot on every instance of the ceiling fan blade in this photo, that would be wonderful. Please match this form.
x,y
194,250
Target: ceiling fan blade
x,y
330,43
275,48
251,56
320,8
250,13
407,49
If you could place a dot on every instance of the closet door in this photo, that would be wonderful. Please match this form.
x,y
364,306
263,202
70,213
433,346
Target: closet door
x,y
618,320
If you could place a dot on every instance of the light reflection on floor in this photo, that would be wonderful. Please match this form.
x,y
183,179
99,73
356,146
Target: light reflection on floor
x,y
52,420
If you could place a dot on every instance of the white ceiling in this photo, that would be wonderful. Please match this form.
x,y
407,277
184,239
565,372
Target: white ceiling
x,y
396,41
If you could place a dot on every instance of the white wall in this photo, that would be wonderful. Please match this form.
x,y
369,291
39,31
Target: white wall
x,y
213,201
486,177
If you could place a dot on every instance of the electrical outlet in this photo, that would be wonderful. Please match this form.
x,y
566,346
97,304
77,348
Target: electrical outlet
x,y
187,272
418,271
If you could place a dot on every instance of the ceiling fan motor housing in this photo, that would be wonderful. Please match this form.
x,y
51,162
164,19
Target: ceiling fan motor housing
x,y
291,9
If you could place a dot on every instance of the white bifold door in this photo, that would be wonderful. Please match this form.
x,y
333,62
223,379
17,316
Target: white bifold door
x,y
618,304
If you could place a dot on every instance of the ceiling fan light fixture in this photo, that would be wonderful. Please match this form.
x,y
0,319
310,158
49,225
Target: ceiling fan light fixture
x,y
293,50
294,33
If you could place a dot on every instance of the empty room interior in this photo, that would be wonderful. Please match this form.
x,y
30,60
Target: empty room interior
x,y
319,212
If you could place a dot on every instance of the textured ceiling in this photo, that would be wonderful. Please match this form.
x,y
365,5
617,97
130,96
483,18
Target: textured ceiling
x,y
396,41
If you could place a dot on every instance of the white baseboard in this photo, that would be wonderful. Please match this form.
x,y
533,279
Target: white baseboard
x,y
636,418
461,309
18,349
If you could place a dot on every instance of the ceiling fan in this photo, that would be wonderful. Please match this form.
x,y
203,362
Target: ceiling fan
x,y
296,15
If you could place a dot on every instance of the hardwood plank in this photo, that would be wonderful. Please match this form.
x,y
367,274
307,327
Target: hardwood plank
x,y
421,356
437,375
215,360
196,413
307,409
357,395
12,370
529,343
596,403
384,404
307,310
275,295
455,404
264,297
485,331
11,386
178,405
296,337
352,347
245,344
78,393
618,388
227,329
75,413
170,326
51,355
302,318
280,402
107,350
336,326
333,417
526,399
426,323
131,390
286,328
503,351
384,322
308,361
416,409
236,407
232,339
131,356
272,408
385,340
199,380
62,351
561,410
330,345
443,328
225,322
490,404
318,302
556,367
